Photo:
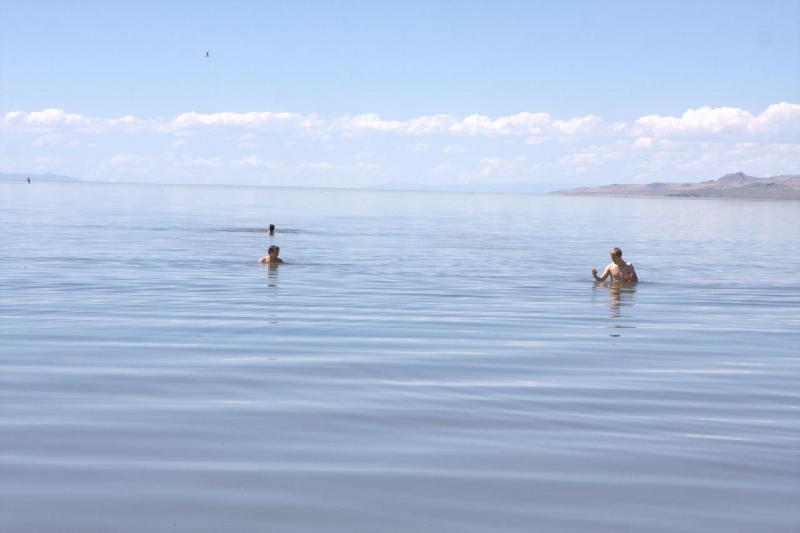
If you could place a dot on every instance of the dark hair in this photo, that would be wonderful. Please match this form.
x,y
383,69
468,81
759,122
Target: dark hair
x,y
273,247
616,252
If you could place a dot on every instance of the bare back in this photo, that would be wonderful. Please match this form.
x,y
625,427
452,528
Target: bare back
x,y
621,271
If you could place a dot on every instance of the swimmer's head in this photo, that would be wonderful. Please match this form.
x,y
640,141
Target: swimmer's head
x,y
273,250
616,253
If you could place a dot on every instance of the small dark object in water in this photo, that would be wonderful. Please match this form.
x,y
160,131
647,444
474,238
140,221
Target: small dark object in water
x,y
272,229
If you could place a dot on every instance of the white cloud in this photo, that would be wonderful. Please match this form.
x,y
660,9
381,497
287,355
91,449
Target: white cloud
x,y
372,122
314,168
253,161
189,161
46,117
51,118
577,126
494,165
778,121
586,158
521,124
535,126
48,139
250,120
452,149
125,164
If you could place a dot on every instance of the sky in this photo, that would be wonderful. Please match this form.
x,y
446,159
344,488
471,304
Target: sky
x,y
530,96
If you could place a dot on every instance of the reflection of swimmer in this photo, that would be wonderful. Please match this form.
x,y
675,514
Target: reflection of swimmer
x,y
272,229
272,275
272,256
619,295
618,269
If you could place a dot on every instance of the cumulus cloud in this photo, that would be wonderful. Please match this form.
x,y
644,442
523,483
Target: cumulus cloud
x,y
535,126
51,118
778,121
372,122
46,117
249,120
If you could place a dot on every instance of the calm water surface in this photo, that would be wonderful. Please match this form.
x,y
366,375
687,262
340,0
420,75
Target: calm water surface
x,y
421,362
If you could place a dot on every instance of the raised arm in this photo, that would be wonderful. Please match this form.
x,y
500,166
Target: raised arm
x,y
606,273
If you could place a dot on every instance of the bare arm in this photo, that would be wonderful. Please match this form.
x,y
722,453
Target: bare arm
x,y
634,277
606,273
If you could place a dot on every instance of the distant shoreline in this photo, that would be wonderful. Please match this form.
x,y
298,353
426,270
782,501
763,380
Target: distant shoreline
x,y
730,187
737,186
12,177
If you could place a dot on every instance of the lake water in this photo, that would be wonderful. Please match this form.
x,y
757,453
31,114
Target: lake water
x,y
421,362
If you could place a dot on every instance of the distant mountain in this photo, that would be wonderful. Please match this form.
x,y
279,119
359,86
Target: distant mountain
x,y
737,185
36,177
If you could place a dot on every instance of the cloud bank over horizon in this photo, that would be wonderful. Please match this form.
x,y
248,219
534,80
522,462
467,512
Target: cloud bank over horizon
x,y
535,149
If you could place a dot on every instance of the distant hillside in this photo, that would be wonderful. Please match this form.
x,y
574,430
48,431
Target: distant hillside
x,y
736,185
36,177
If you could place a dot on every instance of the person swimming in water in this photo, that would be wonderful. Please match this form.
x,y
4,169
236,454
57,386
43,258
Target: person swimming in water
x,y
272,229
272,256
618,269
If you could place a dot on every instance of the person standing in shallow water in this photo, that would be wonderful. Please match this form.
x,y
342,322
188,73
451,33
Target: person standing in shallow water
x,y
272,256
272,229
618,269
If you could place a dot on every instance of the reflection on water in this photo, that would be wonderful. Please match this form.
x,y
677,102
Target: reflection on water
x,y
272,274
621,296
407,383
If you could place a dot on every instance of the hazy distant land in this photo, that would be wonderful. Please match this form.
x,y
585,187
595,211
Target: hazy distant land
x,y
36,177
737,185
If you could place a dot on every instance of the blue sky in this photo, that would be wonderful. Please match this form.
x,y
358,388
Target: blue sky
x,y
485,95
